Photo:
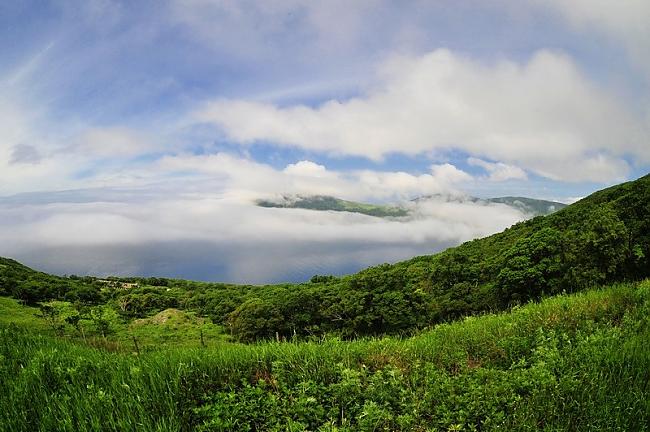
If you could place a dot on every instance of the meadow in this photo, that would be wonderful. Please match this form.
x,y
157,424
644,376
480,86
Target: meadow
x,y
572,362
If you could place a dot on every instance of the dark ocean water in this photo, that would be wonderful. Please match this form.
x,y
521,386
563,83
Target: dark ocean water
x,y
258,263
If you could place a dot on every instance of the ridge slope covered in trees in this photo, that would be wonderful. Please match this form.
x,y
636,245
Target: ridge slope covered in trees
x,y
601,239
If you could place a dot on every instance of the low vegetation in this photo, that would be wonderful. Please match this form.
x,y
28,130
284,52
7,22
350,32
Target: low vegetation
x,y
573,362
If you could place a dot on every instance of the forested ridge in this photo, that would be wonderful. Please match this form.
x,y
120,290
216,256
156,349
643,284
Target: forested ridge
x,y
601,239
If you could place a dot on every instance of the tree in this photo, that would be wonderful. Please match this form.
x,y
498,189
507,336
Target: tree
x,y
75,321
597,249
255,319
101,317
322,279
29,293
86,294
52,317
532,266
7,285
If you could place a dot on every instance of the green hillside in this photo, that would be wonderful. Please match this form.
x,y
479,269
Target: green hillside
x,y
155,354
602,238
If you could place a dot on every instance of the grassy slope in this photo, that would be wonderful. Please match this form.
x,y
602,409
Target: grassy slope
x,y
573,362
178,330
11,312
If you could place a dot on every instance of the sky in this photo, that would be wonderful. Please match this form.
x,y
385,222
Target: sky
x,y
136,136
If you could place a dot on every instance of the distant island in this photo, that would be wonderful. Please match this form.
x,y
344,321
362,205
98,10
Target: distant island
x,y
530,206
329,203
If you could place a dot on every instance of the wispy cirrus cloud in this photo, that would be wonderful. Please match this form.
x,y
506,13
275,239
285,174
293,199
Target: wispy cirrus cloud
x,y
625,21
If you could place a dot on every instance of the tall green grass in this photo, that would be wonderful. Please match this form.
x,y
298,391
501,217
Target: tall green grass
x,y
578,362
11,312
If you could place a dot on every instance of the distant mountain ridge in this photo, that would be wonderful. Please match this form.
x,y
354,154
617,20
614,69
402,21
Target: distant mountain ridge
x,y
533,206
325,203
530,206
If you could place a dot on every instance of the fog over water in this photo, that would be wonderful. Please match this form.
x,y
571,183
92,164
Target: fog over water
x,y
220,238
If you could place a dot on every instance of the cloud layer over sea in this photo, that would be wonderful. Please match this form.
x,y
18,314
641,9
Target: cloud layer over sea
x,y
224,238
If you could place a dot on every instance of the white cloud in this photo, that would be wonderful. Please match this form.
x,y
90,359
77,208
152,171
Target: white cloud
x,y
448,174
624,20
30,160
38,152
306,168
111,142
14,130
265,28
248,179
539,116
443,178
498,171
23,166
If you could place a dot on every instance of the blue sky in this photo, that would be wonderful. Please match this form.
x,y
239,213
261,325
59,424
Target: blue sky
x,y
371,100
145,69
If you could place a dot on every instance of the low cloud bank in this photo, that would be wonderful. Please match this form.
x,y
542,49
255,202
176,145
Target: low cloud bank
x,y
224,238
